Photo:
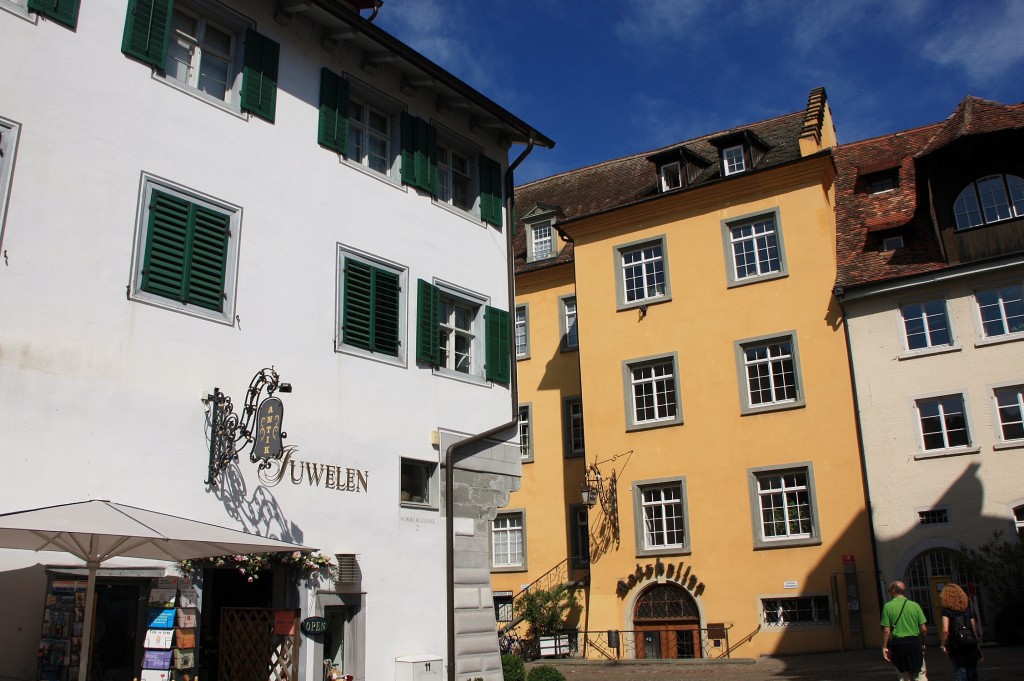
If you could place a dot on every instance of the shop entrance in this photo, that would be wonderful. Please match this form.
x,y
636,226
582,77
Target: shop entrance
x,y
227,588
667,623
117,629
334,641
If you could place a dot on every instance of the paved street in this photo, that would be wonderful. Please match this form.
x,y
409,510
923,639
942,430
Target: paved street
x,y
1000,664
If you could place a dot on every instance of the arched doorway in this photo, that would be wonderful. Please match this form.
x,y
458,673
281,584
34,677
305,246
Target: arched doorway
x,y
927,574
667,623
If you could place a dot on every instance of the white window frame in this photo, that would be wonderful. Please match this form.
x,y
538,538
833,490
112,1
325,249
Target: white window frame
x,y
757,496
1018,520
10,131
428,470
970,211
522,331
631,383
568,321
446,174
526,432
930,321
1004,298
369,99
505,524
662,508
539,234
475,303
573,428
1004,397
731,163
766,235
819,604
402,271
652,265
949,404
671,176
503,607
745,364
151,183
228,21
19,8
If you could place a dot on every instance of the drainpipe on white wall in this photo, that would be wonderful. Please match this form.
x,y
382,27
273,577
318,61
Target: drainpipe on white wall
x,y
449,454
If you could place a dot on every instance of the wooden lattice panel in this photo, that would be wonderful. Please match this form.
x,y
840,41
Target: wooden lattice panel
x,y
251,651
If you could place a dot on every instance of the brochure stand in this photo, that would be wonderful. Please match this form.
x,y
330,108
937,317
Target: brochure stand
x,y
60,645
170,641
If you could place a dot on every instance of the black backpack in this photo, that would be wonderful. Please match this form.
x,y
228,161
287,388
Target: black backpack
x,y
962,637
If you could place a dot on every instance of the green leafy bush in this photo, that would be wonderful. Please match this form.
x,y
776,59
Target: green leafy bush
x,y
545,610
512,668
545,673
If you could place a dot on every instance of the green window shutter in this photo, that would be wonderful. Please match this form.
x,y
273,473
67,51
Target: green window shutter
x,y
146,29
333,131
419,153
186,252
208,258
259,75
490,191
498,336
370,319
61,11
428,323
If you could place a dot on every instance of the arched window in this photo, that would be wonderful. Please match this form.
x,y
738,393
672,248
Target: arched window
x,y
989,199
666,602
933,563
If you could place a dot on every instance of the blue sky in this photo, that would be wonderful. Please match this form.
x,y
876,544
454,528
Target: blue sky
x,y
608,78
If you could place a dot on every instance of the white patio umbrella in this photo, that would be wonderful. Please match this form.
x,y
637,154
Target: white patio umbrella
x,y
97,530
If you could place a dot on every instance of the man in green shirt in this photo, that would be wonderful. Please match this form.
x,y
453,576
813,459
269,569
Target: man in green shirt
x,y
903,632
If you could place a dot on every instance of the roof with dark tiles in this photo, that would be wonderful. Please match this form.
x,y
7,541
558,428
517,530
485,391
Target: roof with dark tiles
x,y
862,218
633,179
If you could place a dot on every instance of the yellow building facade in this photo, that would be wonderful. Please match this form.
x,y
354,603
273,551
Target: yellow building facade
x,y
719,421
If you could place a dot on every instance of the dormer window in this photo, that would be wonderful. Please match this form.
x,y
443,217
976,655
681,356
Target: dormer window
x,y
892,243
671,176
989,199
733,161
540,238
739,151
884,181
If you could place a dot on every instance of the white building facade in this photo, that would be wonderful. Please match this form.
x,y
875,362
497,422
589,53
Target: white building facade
x,y
931,248
193,191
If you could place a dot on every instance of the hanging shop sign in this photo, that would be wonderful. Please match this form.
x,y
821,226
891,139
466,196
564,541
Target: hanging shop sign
x,y
313,474
312,626
268,433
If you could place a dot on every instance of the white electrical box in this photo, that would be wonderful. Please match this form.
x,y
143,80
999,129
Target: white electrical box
x,y
418,668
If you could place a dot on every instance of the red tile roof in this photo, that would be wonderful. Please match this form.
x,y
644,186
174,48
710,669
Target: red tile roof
x,y
860,215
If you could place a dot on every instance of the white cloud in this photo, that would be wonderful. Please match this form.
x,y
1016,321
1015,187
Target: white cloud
x,y
981,38
647,20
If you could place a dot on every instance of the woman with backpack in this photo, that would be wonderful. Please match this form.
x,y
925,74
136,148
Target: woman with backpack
x,y
958,636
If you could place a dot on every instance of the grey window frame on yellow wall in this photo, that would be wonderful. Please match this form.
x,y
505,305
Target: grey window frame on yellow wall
x,y
741,346
186,251
676,483
569,328
740,222
572,412
754,475
148,32
525,326
511,567
526,432
621,289
629,393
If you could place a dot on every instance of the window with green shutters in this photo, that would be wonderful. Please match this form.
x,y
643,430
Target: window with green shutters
x,y
333,129
187,251
206,49
371,307
419,154
490,191
460,335
62,11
